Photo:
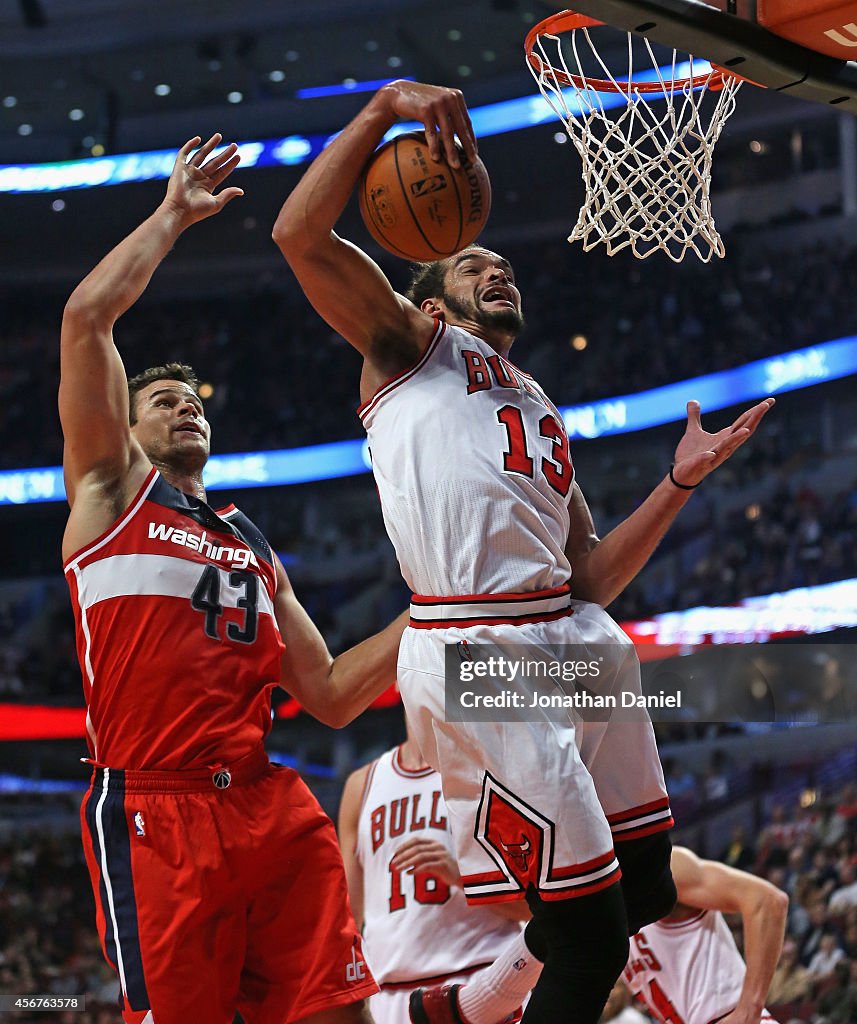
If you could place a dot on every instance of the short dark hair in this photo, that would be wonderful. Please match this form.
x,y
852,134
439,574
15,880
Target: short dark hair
x,y
427,281
169,371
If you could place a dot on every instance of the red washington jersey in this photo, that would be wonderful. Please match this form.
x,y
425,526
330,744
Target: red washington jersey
x,y
176,633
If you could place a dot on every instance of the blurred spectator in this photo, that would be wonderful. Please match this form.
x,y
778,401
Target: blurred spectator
x,y
739,852
810,942
845,897
838,1005
826,958
679,780
715,780
791,981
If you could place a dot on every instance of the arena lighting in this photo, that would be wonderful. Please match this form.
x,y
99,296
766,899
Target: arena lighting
x,y
20,784
624,414
490,119
807,610
800,612
350,85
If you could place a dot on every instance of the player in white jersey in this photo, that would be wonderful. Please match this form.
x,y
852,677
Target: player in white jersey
x,y
404,884
686,967
494,536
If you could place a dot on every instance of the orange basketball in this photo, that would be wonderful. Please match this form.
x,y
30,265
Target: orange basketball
x,y
420,208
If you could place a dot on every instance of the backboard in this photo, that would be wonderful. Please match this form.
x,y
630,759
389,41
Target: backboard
x,y
801,53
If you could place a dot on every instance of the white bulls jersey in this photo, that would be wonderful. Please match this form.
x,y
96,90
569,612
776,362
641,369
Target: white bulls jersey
x,y
687,972
417,929
472,465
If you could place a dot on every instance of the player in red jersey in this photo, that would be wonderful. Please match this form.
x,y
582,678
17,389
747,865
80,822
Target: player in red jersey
x,y
217,877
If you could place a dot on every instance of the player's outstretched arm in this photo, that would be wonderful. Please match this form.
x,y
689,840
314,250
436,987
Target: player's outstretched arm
x,y
93,396
343,284
333,690
347,824
763,908
601,569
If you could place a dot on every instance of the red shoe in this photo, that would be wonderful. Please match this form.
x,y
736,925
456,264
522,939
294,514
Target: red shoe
x,y
439,1005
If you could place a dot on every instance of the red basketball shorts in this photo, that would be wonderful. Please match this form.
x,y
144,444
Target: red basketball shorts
x,y
214,899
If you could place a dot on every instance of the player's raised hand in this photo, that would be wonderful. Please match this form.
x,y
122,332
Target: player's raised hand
x,y
196,175
442,111
699,452
427,856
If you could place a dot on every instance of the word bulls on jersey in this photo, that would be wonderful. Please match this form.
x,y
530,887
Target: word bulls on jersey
x,y
405,912
687,971
486,372
465,437
176,633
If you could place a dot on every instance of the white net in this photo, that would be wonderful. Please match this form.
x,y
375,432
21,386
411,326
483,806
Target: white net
x,y
646,157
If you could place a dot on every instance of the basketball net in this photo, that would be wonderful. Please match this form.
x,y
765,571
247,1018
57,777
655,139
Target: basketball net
x,y
646,160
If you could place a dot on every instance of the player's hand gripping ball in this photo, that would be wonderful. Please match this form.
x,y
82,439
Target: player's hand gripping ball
x,y
420,208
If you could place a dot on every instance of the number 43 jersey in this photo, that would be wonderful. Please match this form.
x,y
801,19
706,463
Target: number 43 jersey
x,y
176,634
473,470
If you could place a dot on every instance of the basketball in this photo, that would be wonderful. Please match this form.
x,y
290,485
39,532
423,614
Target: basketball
x,y
420,208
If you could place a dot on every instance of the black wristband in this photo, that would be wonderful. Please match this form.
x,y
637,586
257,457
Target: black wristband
x,y
684,487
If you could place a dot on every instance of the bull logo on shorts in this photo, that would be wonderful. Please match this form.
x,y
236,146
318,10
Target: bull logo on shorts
x,y
518,853
505,817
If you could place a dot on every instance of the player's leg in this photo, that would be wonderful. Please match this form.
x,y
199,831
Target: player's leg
x,y
156,868
496,993
647,881
304,957
583,943
525,817
580,926
634,800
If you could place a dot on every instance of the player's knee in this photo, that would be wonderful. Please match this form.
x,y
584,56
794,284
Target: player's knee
x,y
647,883
591,929
646,907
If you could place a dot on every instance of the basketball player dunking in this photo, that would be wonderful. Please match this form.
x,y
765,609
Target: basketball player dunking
x,y
405,887
217,877
494,537
685,968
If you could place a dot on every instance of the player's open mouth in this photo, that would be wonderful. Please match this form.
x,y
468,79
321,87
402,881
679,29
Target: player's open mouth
x,y
498,295
188,428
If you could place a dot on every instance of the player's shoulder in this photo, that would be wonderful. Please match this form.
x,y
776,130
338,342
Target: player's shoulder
x,y
359,781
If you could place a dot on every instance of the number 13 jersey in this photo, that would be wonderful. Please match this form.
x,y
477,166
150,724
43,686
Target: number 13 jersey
x,y
176,634
473,470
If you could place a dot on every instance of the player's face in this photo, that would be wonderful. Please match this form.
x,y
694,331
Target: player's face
x,y
479,286
171,425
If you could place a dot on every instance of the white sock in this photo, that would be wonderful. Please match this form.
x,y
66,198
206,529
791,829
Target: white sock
x,y
490,995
